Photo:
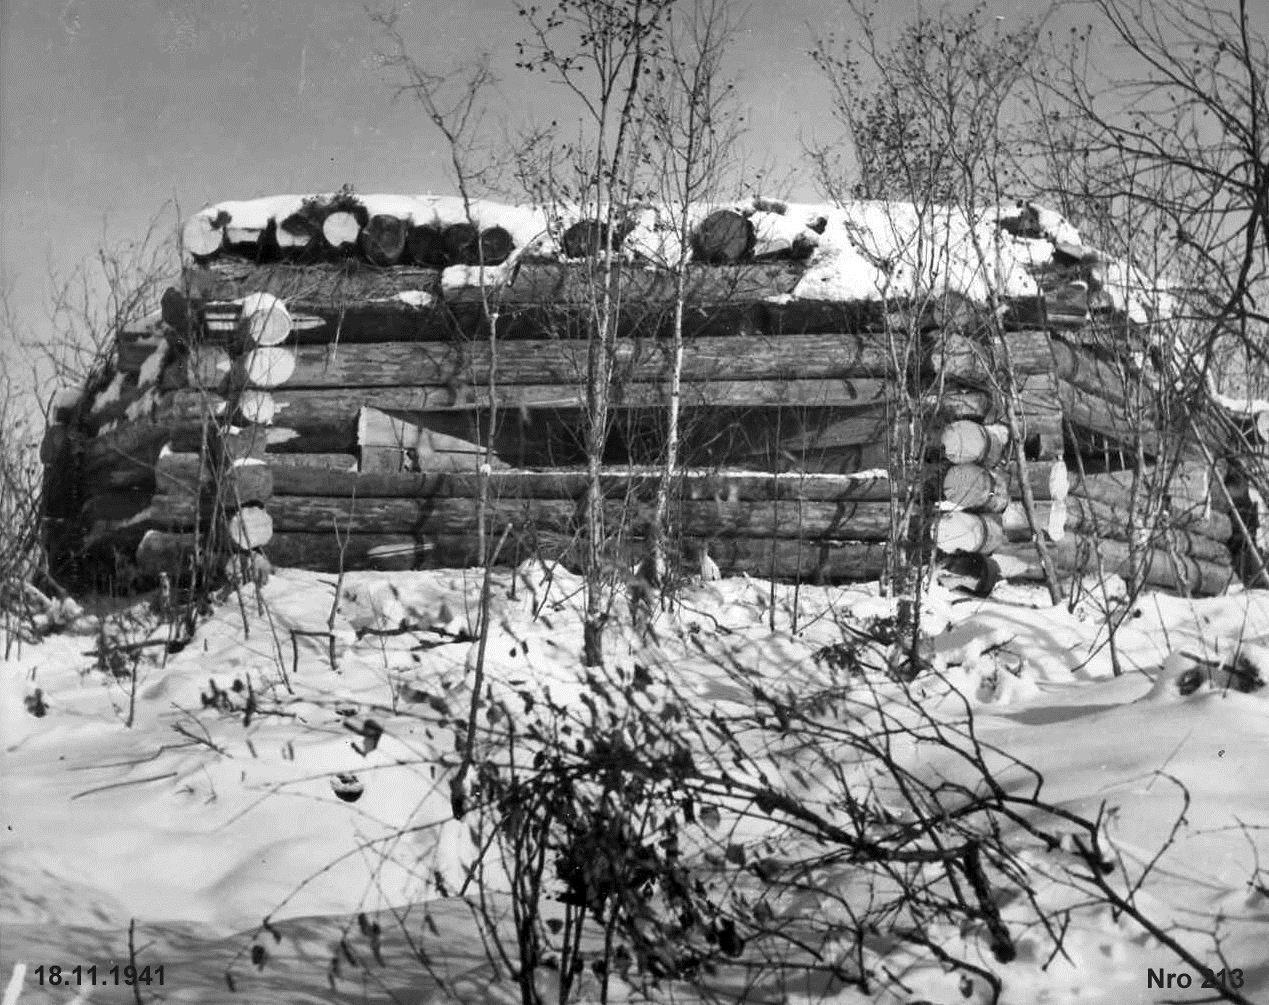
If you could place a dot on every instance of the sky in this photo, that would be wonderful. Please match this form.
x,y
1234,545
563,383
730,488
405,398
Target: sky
x,y
117,113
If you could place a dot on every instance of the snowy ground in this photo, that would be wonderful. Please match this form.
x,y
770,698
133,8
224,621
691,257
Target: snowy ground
x,y
196,826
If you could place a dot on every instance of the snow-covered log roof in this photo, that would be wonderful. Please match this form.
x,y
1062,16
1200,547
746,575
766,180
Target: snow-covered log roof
x,y
856,251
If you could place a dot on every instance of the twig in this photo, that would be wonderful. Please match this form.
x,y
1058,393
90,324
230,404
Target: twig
x,y
120,785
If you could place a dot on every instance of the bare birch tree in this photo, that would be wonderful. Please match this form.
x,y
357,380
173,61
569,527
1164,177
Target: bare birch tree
x,y
602,53
691,135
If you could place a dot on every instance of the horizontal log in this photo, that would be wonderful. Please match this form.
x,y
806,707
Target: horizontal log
x,y
1191,487
1036,393
266,367
782,560
324,406
583,284
1117,382
805,436
125,452
143,472
558,361
304,287
979,362
1095,518
705,519
193,475
293,478
1110,419
163,552
351,303
1076,556
115,505
542,437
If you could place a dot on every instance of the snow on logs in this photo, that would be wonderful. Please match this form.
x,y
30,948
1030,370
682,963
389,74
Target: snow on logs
x,y
430,232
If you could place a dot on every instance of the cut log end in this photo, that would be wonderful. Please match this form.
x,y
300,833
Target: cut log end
x,y
586,239
255,408
496,245
425,247
723,238
383,240
969,532
340,229
251,527
968,442
265,319
973,487
202,236
264,368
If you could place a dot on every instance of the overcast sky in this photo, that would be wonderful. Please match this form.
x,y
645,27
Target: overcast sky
x,y
112,109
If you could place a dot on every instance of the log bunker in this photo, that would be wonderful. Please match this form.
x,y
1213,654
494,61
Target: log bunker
x,y
319,388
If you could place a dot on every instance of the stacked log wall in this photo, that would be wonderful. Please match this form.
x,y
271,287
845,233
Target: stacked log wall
x,y
270,399
1167,516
